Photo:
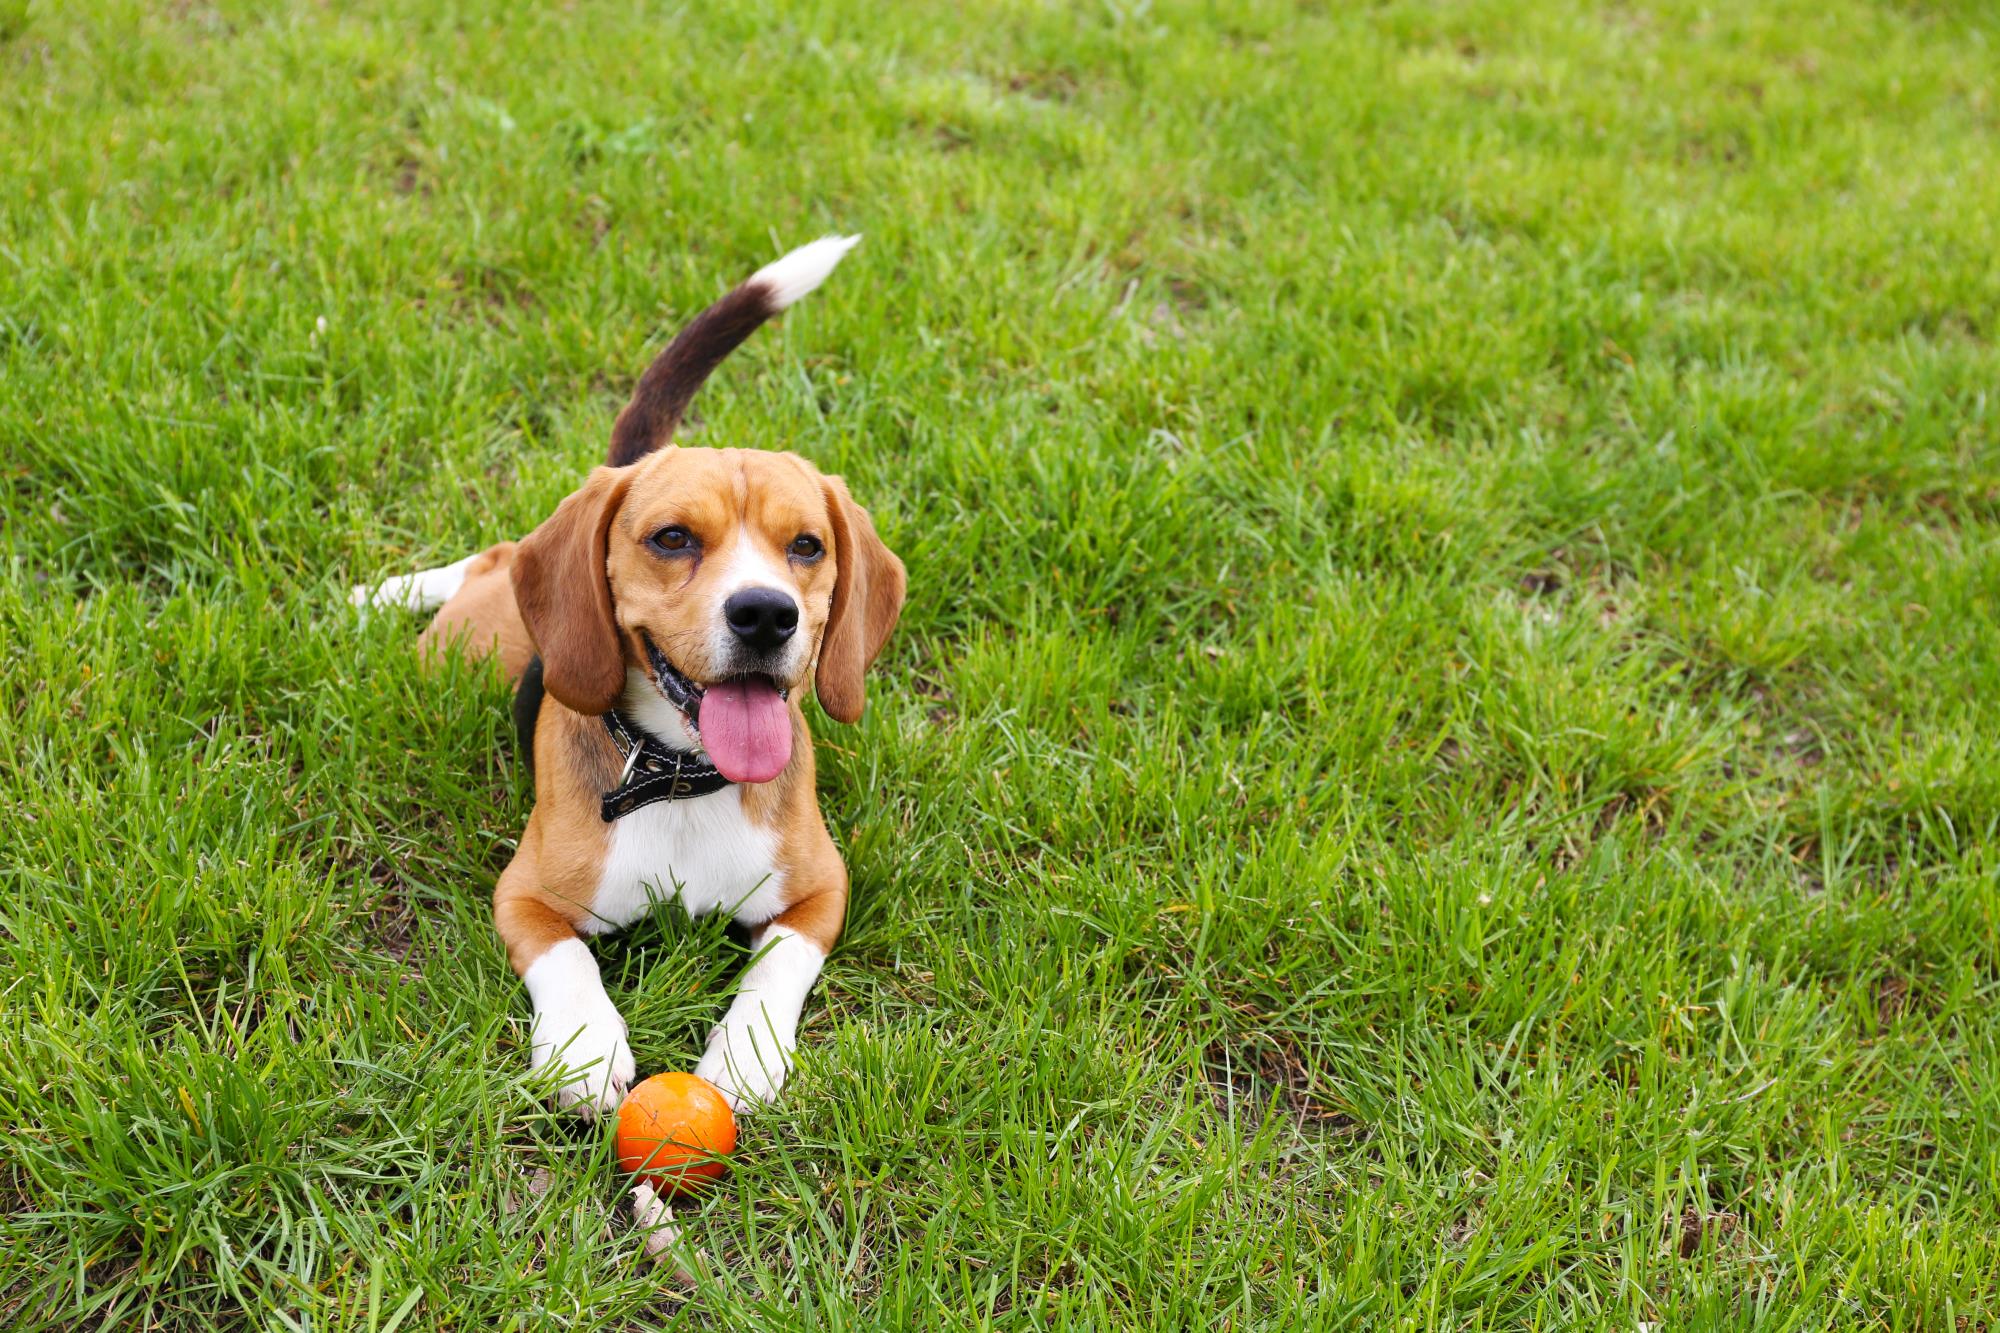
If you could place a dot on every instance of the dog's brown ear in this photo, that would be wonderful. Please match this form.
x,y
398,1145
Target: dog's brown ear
x,y
867,598
563,589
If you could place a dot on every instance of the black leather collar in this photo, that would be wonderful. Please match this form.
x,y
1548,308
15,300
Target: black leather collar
x,y
653,772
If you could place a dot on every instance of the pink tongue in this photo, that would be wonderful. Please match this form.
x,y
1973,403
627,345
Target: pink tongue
x,y
746,729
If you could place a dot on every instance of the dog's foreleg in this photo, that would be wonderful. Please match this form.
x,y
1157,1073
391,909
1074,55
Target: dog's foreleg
x,y
750,1052
577,1032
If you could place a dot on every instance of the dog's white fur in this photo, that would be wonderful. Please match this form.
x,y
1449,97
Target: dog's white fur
x,y
425,590
703,854
795,274
750,1051
578,1029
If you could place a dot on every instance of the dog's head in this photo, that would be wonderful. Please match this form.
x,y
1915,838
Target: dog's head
x,y
705,585
720,580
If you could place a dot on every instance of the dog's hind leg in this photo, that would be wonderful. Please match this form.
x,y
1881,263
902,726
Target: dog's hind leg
x,y
425,590
481,617
474,601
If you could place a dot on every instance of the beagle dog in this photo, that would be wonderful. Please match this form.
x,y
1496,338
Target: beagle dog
x,y
661,627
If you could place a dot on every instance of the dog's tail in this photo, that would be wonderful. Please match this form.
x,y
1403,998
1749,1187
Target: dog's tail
x,y
669,384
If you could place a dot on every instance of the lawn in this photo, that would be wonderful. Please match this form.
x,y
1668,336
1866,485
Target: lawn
x,y
1442,767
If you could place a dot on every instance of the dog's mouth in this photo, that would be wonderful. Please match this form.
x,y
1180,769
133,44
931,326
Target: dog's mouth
x,y
741,721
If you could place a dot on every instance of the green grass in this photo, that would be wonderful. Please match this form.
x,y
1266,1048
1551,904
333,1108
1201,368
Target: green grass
x,y
1442,767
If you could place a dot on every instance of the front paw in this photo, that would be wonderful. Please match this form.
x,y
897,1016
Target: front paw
x,y
746,1062
586,1043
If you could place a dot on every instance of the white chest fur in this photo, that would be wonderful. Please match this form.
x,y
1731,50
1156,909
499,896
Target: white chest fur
x,y
704,853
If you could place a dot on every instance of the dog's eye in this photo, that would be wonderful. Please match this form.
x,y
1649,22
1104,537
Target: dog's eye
x,y
805,546
672,538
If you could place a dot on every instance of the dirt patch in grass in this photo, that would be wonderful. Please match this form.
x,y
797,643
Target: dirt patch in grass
x,y
1250,1074
1693,1225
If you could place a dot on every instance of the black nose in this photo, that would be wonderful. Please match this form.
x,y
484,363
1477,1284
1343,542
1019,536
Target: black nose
x,y
761,617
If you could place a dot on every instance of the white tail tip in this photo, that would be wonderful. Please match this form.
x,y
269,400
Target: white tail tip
x,y
795,274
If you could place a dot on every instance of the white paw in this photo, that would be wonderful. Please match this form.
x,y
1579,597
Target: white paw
x,y
746,1060
401,593
425,590
585,1041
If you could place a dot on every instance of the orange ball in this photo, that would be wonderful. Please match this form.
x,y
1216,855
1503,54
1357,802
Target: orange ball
x,y
674,1130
